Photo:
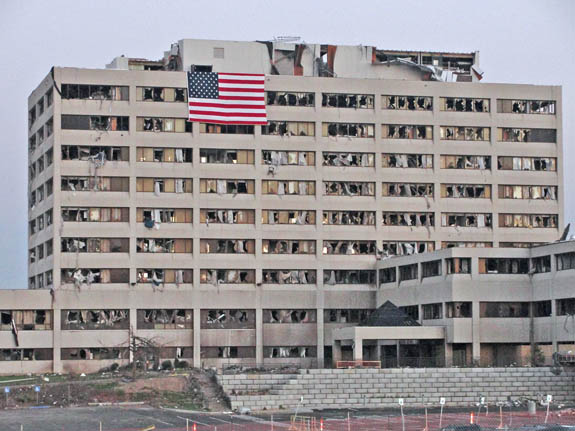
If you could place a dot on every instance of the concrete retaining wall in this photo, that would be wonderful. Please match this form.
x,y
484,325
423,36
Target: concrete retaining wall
x,y
359,388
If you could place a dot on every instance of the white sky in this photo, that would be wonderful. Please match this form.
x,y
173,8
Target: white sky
x,y
521,41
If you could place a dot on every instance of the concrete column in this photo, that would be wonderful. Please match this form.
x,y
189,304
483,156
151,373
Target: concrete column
x,y
554,322
336,352
259,337
448,354
397,352
358,348
476,332
133,330
197,338
56,340
320,338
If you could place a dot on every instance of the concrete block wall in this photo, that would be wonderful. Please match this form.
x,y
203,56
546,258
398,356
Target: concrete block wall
x,y
372,388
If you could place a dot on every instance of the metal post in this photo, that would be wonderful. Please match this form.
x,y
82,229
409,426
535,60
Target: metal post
x,y
348,423
187,424
426,427
100,426
440,416
402,419
272,423
547,414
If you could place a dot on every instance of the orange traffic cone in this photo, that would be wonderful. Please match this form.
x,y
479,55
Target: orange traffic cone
x,y
471,418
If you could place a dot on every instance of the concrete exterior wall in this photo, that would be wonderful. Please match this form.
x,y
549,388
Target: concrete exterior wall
x,y
372,388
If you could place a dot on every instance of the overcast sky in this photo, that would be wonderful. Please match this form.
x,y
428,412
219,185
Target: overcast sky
x,y
521,41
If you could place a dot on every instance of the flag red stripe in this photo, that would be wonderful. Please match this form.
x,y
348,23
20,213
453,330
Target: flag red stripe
x,y
243,90
242,74
239,81
250,98
227,114
225,105
228,122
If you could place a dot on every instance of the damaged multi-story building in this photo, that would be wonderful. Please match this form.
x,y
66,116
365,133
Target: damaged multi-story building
x,y
251,243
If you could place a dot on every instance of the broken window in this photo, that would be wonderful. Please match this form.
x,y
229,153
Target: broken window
x,y
566,307
152,216
541,308
407,190
408,272
431,268
509,163
475,191
95,183
163,276
458,265
387,275
349,247
165,319
406,131
40,164
292,158
519,244
348,188
527,192
339,315
289,276
465,162
454,133
164,155
234,246
227,276
507,134
85,277
49,247
95,153
528,220
275,187
95,319
49,156
286,246
289,128
40,106
463,104
95,353
91,214
348,130
363,160
245,157
228,319
163,245
289,98
301,217
95,245
161,94
348,276
228,352
26,354
32,228
94,92
464,244
432,311
424,161
541,264
504,309
344,100
229,129
402,248
408,219
49,97
510,106
95,122
40,222
26,320
163,124
365,218
410,103
32,143
223,187
503,266
164,185
49,278
289,316
49,127
565,261
458,309
290,352
40,251
411,310
229,216
31,116
466,220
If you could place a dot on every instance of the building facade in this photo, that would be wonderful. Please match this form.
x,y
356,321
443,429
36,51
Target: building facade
x,y
367,153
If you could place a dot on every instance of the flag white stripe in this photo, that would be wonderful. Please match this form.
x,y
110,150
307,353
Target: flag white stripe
x,y
228,102
240,93
254,86
243,111
242,77
222,118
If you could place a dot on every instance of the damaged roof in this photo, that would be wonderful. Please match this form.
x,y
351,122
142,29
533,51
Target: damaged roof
x,y
388,314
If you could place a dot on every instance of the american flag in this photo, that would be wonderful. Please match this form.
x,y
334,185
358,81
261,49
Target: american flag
x,y
227,98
